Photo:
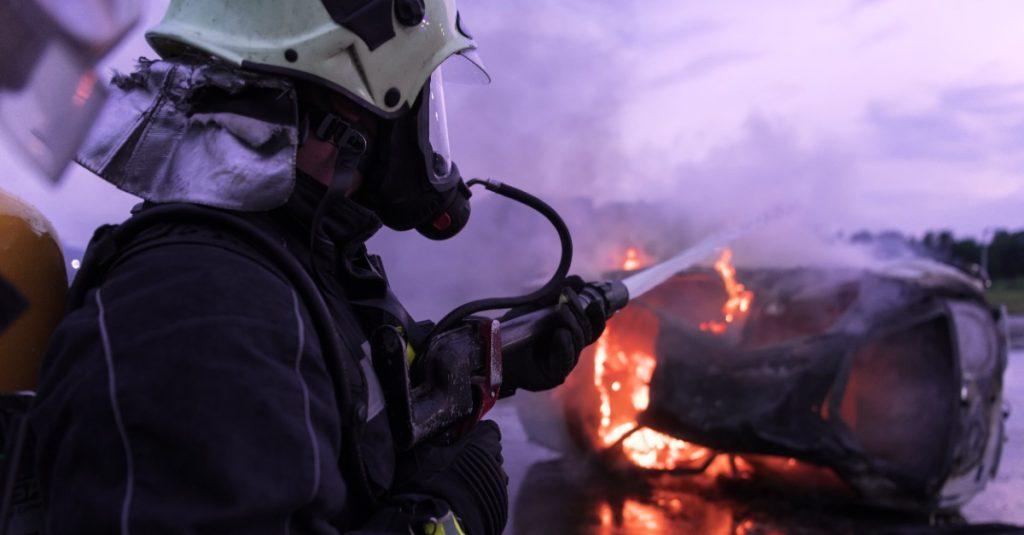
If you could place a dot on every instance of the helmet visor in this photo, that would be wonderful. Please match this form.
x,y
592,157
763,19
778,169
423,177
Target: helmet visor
x,y
438,141
464,67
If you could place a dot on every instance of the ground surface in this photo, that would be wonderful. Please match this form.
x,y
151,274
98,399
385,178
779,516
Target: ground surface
x,y
552,495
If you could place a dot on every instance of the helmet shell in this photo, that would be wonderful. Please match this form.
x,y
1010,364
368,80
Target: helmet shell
x,y
356,47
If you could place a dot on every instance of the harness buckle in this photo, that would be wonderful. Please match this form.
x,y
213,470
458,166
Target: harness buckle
x,y
340,133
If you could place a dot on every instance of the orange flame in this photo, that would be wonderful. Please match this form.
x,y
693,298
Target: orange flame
x,y
622,381
632,261
622,377
624,364
739,297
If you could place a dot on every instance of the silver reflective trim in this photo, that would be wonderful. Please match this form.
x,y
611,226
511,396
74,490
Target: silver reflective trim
x,y
375,394
299,350
129,489
149,140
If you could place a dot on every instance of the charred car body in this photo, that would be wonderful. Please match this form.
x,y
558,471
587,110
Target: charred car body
x,y
891,377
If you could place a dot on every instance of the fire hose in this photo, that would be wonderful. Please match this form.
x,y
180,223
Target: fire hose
x,y
457,378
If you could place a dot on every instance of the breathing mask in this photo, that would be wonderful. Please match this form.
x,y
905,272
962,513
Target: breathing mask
x,y
412,182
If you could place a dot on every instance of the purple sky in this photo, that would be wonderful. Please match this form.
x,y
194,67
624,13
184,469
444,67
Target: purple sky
x,y
877,114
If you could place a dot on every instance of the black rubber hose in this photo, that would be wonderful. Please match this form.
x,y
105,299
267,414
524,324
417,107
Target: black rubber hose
x,y
542,295
323,322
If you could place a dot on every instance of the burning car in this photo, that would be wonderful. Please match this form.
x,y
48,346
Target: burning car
x,y
888,378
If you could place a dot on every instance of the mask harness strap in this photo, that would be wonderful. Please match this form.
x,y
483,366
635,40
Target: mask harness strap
x,y
351,145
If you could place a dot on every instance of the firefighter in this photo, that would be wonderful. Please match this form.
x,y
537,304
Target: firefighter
x,y
192,386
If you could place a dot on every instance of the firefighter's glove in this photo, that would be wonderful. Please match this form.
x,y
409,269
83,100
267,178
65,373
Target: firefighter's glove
x,y
548,362
468,476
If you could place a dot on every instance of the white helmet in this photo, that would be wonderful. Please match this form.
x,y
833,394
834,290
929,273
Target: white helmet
x,y
383,54
380,53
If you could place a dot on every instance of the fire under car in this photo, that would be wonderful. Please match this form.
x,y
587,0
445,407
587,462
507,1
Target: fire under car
x,y
884,383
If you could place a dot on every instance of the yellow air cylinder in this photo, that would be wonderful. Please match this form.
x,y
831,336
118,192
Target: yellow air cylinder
x,y
32,262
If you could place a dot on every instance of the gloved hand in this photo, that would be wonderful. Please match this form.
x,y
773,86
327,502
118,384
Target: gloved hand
x,y
548,362
468,476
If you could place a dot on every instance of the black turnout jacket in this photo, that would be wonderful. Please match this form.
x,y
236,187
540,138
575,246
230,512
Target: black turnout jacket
x,y
187,390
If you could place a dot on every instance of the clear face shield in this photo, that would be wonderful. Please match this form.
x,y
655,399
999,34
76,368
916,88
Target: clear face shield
x,y
462,68
50,92
419,185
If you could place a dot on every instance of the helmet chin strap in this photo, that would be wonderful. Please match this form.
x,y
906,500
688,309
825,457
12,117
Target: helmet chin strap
x,y
351,145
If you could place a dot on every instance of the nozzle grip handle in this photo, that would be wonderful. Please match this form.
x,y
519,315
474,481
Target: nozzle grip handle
x,y
522,330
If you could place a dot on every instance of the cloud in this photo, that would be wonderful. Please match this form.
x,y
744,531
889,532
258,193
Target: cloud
x,y
933,134
881,36
703,66
978,124
858,5
772,100
985,99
